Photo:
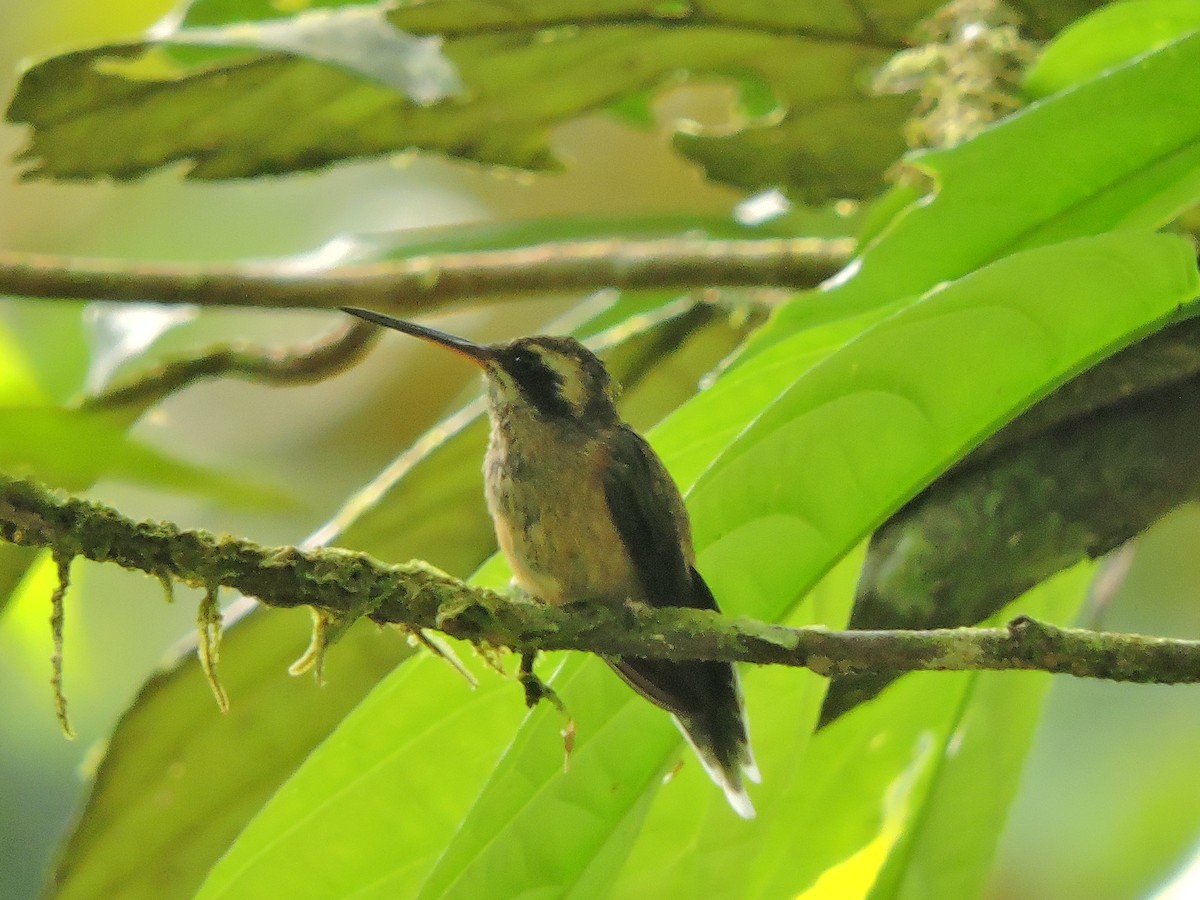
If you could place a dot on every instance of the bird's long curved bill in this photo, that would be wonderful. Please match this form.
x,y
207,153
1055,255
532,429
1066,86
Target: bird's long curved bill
x,y
477,353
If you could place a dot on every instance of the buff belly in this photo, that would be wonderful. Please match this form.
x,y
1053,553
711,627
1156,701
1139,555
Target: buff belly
x,y
564,548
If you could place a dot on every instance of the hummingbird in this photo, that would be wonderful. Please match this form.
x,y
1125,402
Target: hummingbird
x,y
585,512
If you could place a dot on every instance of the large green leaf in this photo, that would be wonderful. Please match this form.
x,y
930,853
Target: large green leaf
x,y
1109,37
955,816
1039,18
349,84
407,760
700,431
881,417
221,113
179,780
18,385
1119,151
223,12
829,458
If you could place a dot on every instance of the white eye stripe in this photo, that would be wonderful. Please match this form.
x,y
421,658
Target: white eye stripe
x,y
558,376
571,382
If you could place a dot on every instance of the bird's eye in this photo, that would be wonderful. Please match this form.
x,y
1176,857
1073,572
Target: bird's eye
x,y
527,365
539,382
521,364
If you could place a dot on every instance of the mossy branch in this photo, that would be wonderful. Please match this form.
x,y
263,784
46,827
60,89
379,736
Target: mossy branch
x,y
342,586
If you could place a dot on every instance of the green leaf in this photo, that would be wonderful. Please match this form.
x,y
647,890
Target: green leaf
x,y
879,418
700,431
403,763
1120,151
356,38
955,816
179,780
18,385
524,70
73,448
225,12
1109,37
334,74
504,846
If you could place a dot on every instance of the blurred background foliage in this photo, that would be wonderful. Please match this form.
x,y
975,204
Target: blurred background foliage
x,y
1106,804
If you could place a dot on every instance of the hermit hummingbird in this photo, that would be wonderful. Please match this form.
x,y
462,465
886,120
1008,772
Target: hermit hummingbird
x,y
586,512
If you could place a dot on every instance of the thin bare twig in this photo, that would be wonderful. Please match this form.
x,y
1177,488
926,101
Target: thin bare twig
x,y
304,364
421,284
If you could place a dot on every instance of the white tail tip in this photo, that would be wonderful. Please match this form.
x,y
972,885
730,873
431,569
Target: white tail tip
x,y
739,800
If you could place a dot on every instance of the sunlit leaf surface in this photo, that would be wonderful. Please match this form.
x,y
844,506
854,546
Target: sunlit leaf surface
x,y
1119,151
355,81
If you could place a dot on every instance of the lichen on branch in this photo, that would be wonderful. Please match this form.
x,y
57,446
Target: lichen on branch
x,y
342,586
62,562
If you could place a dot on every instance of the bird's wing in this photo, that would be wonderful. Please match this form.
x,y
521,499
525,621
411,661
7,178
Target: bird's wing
x,y
704,696
650,518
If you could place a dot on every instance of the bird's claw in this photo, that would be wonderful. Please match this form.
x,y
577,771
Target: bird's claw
x,y
536,690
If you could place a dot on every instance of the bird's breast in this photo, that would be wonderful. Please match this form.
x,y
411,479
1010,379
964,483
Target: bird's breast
x,y
553,524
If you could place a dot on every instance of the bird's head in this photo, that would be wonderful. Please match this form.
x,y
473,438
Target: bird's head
x,y
555,380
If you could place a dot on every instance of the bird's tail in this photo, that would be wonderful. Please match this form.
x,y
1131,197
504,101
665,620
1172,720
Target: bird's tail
x,y
705,698
726,772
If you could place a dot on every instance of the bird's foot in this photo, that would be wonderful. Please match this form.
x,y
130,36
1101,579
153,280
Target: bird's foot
x,y
536,691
